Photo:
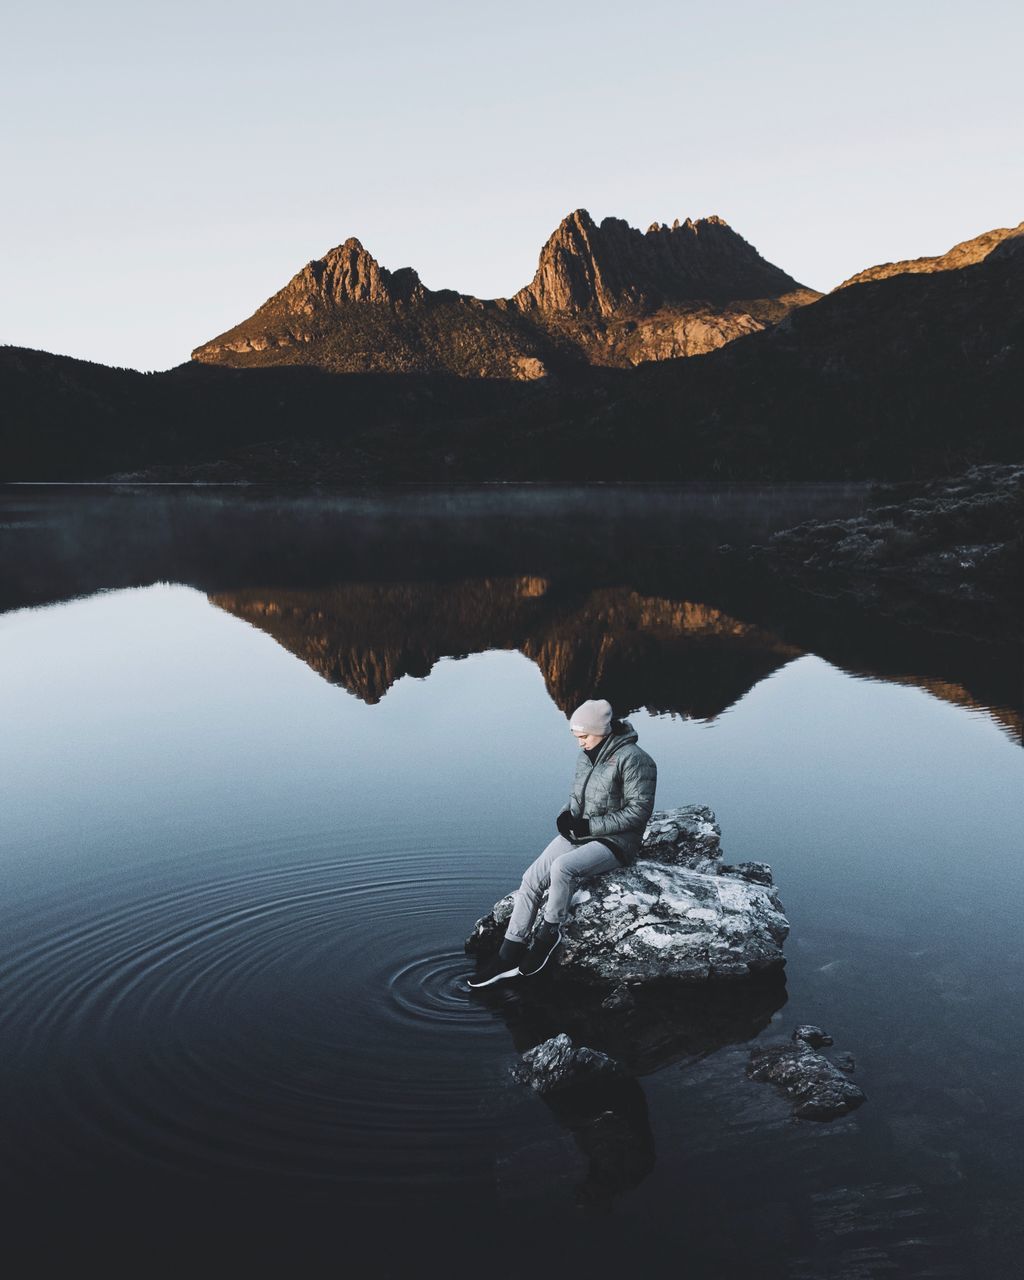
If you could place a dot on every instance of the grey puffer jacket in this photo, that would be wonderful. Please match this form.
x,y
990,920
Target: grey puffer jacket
x,y
616,792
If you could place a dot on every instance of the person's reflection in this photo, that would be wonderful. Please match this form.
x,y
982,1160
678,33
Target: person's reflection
x,y
609,1123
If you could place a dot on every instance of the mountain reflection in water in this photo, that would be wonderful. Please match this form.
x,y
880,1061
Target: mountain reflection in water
x,y
619,591
635,650
678,656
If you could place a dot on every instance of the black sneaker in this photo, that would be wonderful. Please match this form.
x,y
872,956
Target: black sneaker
x,y
545,940
500,966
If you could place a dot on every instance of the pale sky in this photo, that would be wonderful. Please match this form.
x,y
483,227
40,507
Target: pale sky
x,y
167,167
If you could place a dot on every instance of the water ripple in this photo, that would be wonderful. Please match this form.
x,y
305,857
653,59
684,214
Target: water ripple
x,y
279,1018
434,989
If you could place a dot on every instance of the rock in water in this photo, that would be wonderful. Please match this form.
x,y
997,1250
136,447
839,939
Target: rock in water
x,y
814,1036
557,1063
677,914
819,1089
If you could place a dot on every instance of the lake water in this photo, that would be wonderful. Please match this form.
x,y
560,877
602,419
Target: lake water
x,y
265,760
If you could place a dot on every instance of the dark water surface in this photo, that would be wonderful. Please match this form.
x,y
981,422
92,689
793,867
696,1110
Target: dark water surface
x,y
266,760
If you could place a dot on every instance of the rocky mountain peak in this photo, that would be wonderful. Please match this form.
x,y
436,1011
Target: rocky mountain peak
x,y
614,268
348,273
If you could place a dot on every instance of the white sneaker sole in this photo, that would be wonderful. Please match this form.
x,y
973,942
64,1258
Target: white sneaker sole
x,y
509,973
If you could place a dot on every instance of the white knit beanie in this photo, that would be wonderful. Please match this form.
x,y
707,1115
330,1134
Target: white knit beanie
x,y
594,716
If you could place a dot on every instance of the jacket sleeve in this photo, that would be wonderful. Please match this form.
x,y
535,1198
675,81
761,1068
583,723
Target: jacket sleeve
x,y
571,804
639,780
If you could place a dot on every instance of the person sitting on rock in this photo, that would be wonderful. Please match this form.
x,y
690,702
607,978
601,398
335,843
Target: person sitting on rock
x,y
611,801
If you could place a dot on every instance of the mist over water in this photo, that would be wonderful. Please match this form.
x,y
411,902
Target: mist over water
x,y
266,761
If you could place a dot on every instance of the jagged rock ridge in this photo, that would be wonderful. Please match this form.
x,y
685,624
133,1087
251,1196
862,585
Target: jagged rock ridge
x,y
606,295
615,269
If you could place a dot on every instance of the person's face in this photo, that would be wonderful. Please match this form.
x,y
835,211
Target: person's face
x,y
587,741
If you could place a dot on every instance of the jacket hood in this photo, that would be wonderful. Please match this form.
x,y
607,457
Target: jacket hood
x,y
621,734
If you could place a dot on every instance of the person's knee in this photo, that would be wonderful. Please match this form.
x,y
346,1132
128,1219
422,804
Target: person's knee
x,y
533,881
560,870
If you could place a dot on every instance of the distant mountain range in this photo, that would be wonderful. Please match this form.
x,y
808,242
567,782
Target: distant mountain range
x,y
676,353
602,295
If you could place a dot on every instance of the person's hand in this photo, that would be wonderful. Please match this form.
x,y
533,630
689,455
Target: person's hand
x,y
579,827
564,823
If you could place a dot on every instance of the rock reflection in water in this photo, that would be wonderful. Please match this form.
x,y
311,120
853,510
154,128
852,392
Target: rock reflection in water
x,y
663,1025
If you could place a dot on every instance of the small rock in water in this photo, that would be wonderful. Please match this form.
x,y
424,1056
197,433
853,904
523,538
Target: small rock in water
x,y
557,1063
818,1088
844,1061
814,1036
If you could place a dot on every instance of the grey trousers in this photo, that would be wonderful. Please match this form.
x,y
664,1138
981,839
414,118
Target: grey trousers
x,y
562,865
